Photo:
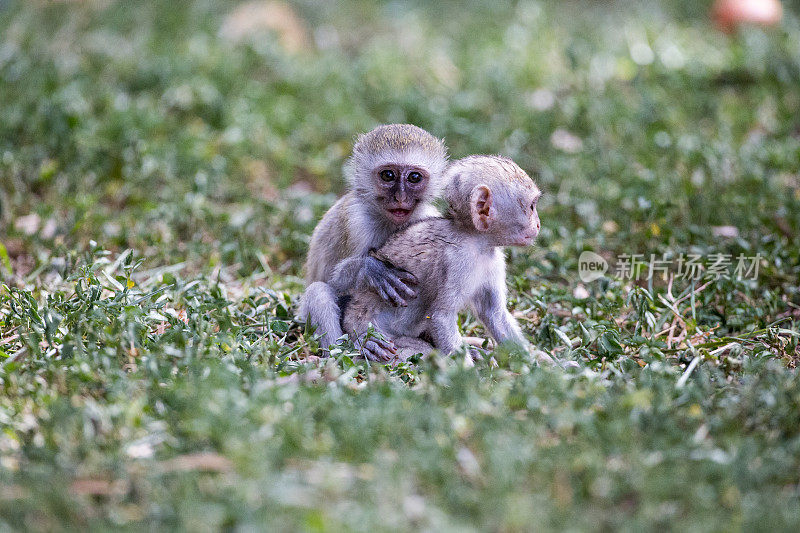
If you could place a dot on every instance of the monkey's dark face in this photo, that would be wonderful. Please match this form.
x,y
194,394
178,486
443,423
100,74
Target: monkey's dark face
x,y
400,189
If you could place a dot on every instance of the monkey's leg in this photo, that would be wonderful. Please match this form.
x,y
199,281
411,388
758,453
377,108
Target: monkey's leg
x,y
356,320
444,332
490,307
318,307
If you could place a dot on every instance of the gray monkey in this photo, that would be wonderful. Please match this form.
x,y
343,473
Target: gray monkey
x,y
394,173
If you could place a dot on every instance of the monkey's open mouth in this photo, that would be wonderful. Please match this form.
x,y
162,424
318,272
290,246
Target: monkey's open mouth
x,y
399,214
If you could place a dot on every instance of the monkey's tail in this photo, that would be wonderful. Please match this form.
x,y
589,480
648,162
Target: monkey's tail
x,y
319,308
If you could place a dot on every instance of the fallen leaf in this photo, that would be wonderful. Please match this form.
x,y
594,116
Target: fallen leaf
x,y
725,231
98,487
28,224
203,461
566,141
580,292
251,18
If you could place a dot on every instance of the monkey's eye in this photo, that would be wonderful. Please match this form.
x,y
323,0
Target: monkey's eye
x,y
387,175
414,177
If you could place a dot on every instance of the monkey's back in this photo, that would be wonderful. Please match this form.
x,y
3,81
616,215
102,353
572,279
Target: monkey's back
x,y
421,248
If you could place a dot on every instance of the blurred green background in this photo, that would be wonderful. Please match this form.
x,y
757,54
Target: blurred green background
x,y
162,166
177,127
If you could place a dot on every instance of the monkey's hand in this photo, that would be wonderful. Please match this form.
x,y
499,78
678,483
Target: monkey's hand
x,y
380,350
393,285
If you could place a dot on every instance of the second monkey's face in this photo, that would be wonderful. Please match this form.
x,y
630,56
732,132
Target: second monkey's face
x,y
516,217
521,225
400,189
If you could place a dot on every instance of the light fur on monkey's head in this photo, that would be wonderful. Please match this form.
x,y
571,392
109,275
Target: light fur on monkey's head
x,y
500,174
401,144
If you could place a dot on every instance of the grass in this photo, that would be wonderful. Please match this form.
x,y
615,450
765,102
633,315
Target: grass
x,y
158,186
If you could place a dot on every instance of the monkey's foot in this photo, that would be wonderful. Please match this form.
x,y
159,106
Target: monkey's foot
x,y
379,350
474,354
543,358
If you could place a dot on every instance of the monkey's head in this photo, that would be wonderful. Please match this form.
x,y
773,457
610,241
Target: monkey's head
x,y
397,167
495,197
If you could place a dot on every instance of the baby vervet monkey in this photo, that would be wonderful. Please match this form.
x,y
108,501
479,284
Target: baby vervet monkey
x,y
457,261
394,174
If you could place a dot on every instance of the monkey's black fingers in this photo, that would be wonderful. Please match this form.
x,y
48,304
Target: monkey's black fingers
x,y
396,286
382,293
401,287
407,277
378,350
393,298
386,343
387,292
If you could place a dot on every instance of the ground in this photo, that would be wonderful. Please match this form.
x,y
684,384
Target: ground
x,y
162,166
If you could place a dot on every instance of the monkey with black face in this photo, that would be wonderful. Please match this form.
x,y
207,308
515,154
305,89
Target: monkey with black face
x,y
394,173
457,260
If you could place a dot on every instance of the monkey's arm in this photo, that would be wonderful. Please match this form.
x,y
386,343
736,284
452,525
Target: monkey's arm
x,y
443,330
393,285
329,243
490,306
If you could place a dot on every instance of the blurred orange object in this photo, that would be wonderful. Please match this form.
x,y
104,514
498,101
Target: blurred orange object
x,y
730,14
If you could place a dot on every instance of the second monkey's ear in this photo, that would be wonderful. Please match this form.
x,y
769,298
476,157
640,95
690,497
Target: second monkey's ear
x,y
481,208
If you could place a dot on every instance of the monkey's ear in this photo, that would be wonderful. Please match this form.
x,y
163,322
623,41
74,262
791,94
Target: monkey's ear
x,y
480,204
